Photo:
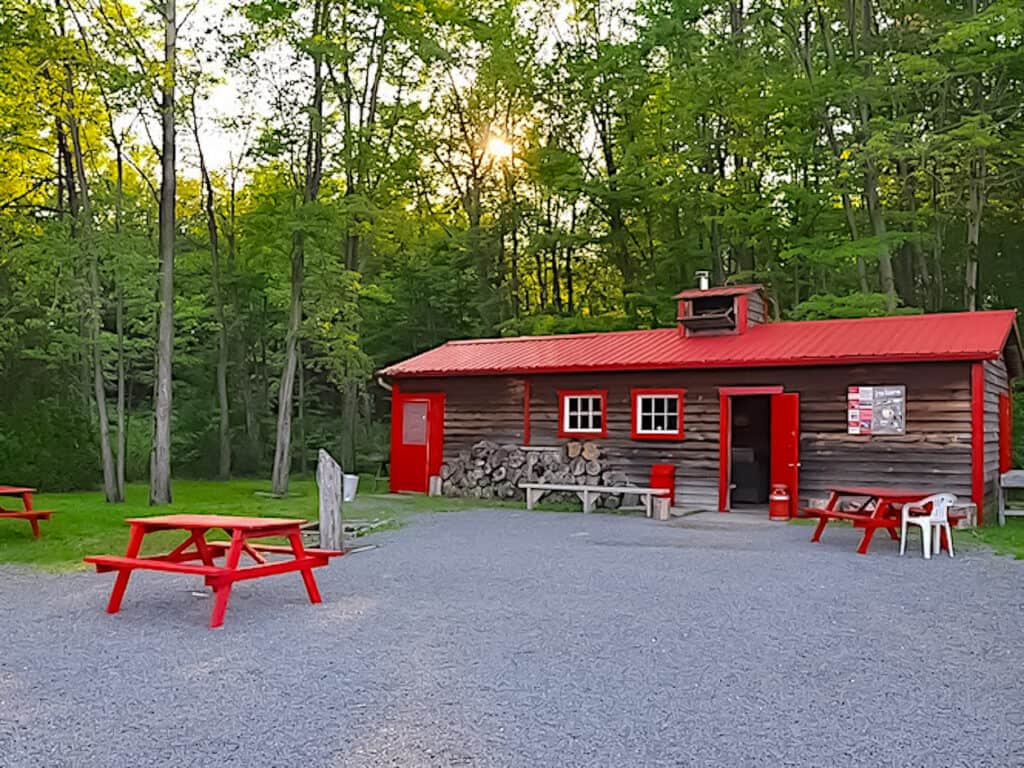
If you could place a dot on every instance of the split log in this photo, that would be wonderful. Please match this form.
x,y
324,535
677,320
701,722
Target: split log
x,y
329,483
593,468
516,459
573,449
447,470
591,451
578,466
499,474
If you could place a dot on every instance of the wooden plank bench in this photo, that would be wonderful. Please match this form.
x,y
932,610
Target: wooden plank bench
x,y
1012,479
588,493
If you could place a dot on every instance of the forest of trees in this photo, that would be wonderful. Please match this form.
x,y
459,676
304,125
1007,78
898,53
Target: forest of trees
x,y
218,220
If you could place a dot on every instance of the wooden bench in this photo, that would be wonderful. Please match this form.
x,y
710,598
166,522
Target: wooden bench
x,y
32,515
1012,479
588,493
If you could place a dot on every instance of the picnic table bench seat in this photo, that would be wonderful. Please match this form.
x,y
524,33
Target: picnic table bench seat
x,y
106,563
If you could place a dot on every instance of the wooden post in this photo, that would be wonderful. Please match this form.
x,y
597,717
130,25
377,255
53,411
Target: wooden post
x,y
329,482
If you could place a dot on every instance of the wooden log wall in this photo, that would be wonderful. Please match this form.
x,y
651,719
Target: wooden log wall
x,y
934,453
997,382
476,408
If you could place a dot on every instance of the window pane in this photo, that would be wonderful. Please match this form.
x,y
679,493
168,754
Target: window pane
x,y
658,414
574,421
595,424
414,423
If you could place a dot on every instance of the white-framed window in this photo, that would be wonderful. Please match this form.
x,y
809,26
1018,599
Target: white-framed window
x,y
582,413
658,414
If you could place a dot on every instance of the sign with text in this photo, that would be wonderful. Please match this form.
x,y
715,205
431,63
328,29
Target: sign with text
x,y
876,410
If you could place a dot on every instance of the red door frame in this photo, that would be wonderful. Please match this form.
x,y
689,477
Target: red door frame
x,y
413,465
978,439
725,435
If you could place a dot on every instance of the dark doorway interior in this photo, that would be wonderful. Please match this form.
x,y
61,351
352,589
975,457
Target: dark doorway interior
x,y
751,448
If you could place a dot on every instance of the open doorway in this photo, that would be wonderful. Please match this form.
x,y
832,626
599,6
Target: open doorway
x,y
750,451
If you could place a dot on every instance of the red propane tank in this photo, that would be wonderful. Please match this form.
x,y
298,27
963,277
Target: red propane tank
x,y
778,503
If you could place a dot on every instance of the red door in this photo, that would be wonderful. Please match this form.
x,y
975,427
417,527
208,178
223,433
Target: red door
x,y
417,439
785,451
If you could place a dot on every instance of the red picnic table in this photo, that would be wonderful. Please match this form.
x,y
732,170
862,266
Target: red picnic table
x,y
873,508
242,531
26,513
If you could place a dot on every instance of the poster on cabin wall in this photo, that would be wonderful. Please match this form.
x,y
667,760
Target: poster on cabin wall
x,y
876,410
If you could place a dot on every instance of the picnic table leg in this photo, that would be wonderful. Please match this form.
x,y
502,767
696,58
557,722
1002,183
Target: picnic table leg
x,y
822,522
307,572
865,542
222,587
121,582
35,527
26,501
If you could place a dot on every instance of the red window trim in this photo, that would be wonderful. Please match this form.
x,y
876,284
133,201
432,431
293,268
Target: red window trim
x,y
636,394
768,390
564,393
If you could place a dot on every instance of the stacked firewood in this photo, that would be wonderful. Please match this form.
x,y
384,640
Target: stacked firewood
x,y
492,471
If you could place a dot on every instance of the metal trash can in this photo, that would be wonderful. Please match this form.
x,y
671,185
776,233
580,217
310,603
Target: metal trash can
x,y
664,476
351,483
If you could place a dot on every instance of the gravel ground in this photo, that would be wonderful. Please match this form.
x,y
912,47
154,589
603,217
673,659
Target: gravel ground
x,y
504,638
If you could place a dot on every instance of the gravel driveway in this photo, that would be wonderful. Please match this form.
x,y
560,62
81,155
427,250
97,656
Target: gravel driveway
x,y
505,638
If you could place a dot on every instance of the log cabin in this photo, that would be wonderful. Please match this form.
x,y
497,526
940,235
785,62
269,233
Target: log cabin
x,y
735,404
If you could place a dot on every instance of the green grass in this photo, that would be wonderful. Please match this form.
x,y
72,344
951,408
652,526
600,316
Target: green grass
x,y
86,525
1006,540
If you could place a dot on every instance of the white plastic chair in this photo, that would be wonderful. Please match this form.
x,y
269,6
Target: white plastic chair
x,y
931,524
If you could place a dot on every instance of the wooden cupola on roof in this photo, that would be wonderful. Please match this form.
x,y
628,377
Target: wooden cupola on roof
x,y
727,310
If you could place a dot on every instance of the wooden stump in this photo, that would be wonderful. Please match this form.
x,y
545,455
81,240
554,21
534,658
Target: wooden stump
x,y
329,482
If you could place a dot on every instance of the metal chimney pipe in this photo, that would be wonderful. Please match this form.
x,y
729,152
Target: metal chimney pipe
x,y
703,279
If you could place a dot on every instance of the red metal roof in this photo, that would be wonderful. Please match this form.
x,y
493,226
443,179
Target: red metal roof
x,y
906,338
724,290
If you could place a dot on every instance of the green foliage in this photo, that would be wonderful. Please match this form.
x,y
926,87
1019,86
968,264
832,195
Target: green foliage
x,y
785,143
48,444
826,306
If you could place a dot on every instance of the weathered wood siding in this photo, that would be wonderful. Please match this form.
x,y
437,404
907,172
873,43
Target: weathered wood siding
x,y
997,382
476,408
935,452
755,309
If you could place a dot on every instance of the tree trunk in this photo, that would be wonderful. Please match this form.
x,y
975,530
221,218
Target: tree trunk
x,y
224,421
160,460
84,232
122,436
311,188
303,447
975,206
569,298
350,412
282,447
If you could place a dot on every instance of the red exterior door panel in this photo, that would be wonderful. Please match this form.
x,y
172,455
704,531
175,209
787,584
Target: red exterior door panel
x,y
417,439
785,449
